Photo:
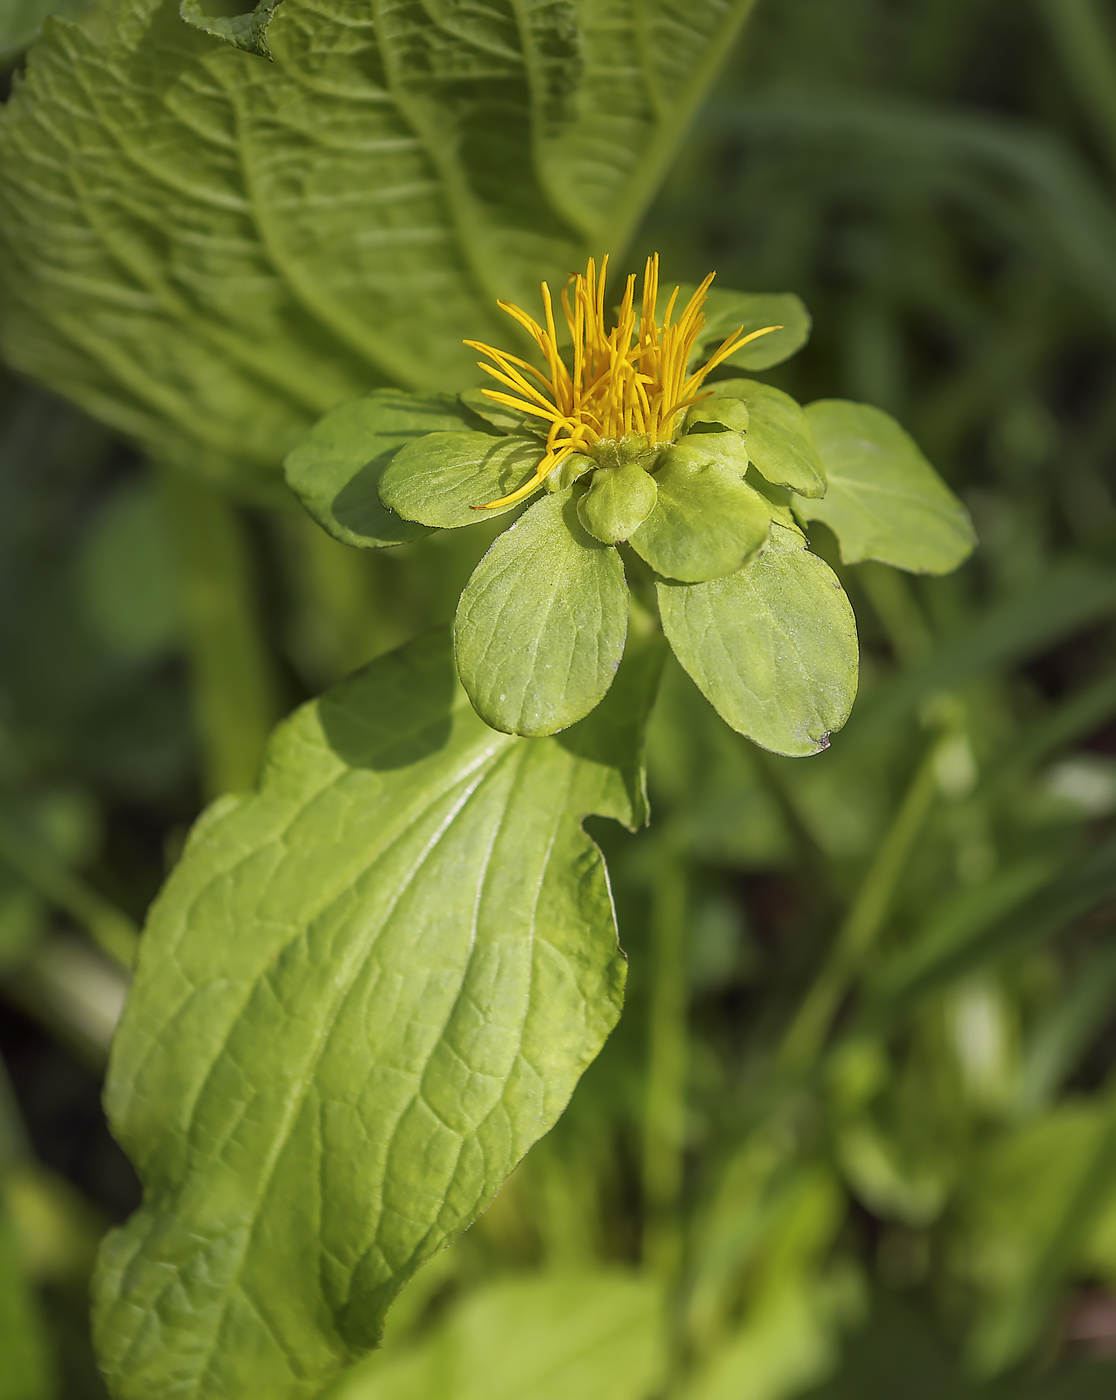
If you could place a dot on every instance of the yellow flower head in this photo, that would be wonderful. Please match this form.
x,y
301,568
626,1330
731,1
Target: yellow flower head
x,y
627,382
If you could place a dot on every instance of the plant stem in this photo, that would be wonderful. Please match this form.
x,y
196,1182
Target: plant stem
x,y
664,1125
233,684
862,924
109,927
1085,41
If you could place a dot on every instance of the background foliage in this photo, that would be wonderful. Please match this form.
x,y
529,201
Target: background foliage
x,y
855,1125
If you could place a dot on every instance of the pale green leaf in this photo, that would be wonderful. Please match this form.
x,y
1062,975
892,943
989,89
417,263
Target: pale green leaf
x,y
885,501
210,251
727,311
444,479
366,990
618,501
721,409
706,521
780,442
593,1336
246,31
335,470
541,624
772,647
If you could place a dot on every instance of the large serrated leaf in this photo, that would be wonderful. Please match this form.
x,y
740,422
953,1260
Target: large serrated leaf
x,y
540,627
884,501
366,990
209,251
773,647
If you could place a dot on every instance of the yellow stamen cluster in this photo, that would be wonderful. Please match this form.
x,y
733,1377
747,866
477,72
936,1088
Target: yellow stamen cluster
x,y
627,382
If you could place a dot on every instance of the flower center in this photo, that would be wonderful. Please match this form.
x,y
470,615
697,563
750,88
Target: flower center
x,y
630,381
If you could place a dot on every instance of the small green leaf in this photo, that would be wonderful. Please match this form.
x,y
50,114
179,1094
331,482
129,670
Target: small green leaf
x,y
706,522
618,501
541,624
725,310
443,479
772,647
596,1336
728,412
780,442
247,32
335,470
508,420
885,501
366,990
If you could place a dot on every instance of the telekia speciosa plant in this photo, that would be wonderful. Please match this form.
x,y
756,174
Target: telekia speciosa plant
x,y
632,462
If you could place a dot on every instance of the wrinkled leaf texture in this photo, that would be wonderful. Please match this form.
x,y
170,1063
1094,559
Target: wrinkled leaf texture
x,y
209,251
368,987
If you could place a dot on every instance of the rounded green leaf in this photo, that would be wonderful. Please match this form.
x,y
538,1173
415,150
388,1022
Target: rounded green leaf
x,y
541,624
618,501
885,501
443,479
780,442
335,470
725,310
706,521
773,647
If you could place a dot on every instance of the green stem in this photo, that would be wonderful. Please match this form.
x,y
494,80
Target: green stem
x,y
233,685
109,928
1085,42
664,1125
862,924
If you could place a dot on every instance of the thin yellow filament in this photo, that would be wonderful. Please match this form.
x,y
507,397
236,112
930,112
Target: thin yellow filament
x,y
626,382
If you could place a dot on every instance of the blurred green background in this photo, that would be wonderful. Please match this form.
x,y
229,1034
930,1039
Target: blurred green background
x,y
859,1120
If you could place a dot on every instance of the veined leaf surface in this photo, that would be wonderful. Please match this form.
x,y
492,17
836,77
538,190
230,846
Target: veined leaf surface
x,y
209,251
366,990
772,647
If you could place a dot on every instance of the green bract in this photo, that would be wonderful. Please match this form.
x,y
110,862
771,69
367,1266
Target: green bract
x,y
761,624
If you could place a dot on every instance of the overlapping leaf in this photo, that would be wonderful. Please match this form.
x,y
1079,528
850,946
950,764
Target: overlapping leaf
x,y
364,993
772,647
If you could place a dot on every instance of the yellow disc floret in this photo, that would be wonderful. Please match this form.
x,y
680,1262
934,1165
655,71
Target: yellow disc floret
x,y
627,382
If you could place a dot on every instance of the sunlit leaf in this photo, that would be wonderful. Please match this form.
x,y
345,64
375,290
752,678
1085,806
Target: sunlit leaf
x,y
772,647
727,311
884,501
706,522
541,624
218,249
336,469
443,480
366,990
779,440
